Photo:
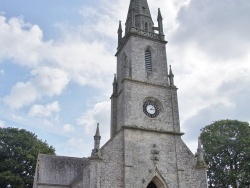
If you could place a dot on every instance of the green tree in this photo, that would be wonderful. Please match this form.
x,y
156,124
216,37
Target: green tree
x,y
226,145
18,154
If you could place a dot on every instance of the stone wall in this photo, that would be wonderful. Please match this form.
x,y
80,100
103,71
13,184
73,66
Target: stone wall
x,y
191,176
112,165
86,177
162,155
78,184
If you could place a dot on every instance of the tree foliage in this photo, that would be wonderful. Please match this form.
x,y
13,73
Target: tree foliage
x,y
226,145
18,154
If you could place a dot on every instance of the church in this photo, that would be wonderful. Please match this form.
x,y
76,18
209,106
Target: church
x,y
145,149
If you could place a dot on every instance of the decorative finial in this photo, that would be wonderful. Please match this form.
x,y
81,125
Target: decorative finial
x,y
171,77
159,17
119,33
160,24
115,80
115,85
170,71
120,26
97,133
200,158
97,138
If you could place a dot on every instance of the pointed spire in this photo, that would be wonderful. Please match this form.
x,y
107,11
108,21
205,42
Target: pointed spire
x,y
115,81
171,76
160,25
120,26
139,16
159,17
97,133
170,72
119,33
200,156
97,139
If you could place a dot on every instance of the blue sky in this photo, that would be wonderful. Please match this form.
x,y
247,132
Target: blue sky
x,y
57,65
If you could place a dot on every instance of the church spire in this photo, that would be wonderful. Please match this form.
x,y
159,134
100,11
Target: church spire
x,y
139,16
97,138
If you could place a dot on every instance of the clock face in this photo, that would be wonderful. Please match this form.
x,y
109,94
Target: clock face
x,y
150,109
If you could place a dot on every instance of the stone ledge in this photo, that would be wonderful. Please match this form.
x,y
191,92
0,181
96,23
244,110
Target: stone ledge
x,y
152,130
141,34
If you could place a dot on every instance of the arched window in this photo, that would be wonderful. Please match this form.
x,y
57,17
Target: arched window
x,y
148,61
151,185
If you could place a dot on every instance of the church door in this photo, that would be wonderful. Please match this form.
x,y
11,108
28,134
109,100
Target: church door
x,y
151,185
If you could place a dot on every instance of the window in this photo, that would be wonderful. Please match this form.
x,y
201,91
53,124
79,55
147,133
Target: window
x,y
148,61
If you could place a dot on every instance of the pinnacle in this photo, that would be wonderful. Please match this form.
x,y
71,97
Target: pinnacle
x,y
159,17
97,134
115,81
139,8
170,72
120,26
200,158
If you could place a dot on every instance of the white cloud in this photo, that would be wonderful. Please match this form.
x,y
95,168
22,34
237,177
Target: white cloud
x,y
45,82
21,94
68,128
44,110
222,34
21,41
99,114
209,54
2,124
76,147
85,62
49,81
1,71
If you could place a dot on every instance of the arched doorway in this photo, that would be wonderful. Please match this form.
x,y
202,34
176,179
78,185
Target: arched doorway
x,y
156,182
151,185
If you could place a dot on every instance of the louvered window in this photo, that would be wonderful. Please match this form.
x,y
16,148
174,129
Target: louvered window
x,y
148,61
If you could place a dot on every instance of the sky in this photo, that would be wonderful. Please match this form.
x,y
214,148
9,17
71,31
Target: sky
x,y
57,65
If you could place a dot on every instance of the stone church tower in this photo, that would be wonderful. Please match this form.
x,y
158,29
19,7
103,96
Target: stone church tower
x,y
145,149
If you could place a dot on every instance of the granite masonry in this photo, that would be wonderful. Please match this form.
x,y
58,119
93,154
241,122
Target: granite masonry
x,y
145,149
